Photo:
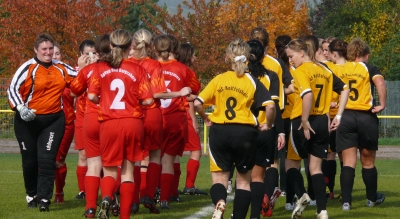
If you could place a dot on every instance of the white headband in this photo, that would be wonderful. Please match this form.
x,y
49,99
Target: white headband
x,y
240,58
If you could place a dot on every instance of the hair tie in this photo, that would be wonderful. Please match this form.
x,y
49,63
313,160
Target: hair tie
x,y
307,43
241,58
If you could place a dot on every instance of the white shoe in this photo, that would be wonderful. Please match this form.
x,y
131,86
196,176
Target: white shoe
x,y
313,203
229,189
323,215
346,206
289,206
219,209
301,204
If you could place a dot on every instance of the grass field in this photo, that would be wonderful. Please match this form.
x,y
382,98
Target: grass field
x,y
15,206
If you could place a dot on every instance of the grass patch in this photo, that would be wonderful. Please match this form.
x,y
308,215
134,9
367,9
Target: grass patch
x,y
15,206
389,141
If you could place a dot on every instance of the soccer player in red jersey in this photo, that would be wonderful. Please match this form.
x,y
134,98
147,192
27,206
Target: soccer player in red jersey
x,y
123,87
91,136
86,47
69,112
176,76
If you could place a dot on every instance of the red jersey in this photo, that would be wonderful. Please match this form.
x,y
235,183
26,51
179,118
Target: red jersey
x,y
80,85
120,90
156,78
177,76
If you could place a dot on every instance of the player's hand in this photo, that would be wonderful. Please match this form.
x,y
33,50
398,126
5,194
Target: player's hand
x,y
83,61
334,105
208,122
26,113
196,127
264,127
185,91
307,128
335,123
377,109
281,142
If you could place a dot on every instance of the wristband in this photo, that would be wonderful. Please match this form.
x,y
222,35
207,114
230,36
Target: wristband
x,y
338,117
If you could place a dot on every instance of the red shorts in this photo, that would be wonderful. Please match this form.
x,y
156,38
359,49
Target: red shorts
x,y
193,141
175,133
91,135
78,139
153,129
66,142
121,139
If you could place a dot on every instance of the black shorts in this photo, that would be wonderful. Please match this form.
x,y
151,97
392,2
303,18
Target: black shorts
x,y
318,143
357,129
266,147
232,143
332,140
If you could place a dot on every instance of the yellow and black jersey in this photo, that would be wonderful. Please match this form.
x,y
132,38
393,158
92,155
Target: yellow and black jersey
x,y
335,97
320,81
271,82
285,78
233,98
359,77
289,101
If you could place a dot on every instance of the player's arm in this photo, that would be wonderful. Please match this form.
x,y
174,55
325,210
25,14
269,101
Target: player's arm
x,y
339,86
262,99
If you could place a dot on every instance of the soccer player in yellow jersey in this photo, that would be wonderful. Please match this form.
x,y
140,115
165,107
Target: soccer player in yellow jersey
x,y
325,50
358,127
233,126
265,142
314,84
273,64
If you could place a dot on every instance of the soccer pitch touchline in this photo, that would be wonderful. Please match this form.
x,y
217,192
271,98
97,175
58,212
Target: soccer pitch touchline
x,y
208,210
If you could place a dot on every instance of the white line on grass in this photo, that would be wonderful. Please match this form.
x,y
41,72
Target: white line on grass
x,y
207,210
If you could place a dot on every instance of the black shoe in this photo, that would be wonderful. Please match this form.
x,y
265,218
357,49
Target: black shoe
x,y
193,191
157,196
149,204
104,212
135,208
164,204
81,195
114,208
32,201
175,199
90,213
44,205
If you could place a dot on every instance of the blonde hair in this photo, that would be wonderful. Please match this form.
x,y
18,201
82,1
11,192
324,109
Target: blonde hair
x,y
163,46
357,48
236,48
142,40
121,42
298,45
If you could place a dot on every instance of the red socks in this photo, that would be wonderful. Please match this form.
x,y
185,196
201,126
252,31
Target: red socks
x,y
152,178
143,182
137,179
191,172
126,196
107,185
92,184
61,174
80,174
167,183
177,176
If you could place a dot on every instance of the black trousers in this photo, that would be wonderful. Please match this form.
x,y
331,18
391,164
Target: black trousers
x,y
39,141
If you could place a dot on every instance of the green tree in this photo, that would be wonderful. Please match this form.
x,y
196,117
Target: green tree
x,y
388,58
135,14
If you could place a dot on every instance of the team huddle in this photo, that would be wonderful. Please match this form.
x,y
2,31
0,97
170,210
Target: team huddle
x,y
130,105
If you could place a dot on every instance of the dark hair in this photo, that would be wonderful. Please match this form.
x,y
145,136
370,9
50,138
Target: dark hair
x,y
162,46
102,45
174,43
256,56
280,44
339,46
184,54
261,35
86,43
313,40
43,37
